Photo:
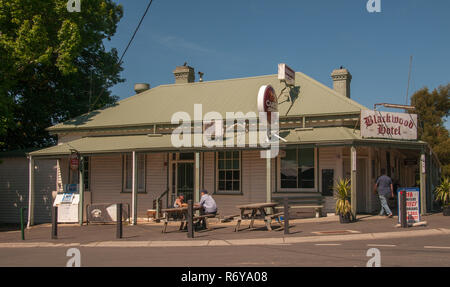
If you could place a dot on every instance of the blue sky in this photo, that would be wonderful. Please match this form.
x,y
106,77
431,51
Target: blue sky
x,y
231,39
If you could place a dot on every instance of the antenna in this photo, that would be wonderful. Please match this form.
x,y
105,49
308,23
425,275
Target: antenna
x,y
409,78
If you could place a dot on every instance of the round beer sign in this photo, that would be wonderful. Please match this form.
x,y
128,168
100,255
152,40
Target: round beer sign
x,y
74,161
267,101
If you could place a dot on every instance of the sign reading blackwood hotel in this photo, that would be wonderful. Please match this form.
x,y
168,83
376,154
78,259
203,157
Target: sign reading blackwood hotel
x,y
376,124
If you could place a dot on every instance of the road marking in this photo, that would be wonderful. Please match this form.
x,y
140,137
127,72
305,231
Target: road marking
x,y
381,245
328,244
437,247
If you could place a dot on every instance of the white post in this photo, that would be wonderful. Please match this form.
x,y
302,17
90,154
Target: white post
x,y
134,189
268,179
30,191
423,181
197,178
353,201
81,191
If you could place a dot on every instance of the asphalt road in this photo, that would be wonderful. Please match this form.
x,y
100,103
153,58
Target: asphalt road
x,y
420,251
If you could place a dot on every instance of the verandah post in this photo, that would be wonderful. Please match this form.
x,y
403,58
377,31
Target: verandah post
x,y
134,189
81,190
197,177
30,191
423,185
353,180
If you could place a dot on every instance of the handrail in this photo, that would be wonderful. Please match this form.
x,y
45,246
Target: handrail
x,y
158,208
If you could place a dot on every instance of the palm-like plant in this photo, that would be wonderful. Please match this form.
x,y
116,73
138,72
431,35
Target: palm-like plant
x,y
342,196
442,192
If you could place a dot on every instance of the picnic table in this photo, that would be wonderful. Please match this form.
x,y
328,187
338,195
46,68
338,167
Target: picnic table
x,y
182,214
260,208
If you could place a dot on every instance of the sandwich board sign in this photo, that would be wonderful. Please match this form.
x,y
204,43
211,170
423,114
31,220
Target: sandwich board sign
x,y
412,204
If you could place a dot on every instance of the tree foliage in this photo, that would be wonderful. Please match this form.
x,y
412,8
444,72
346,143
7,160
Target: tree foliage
x,y
53,65
432,109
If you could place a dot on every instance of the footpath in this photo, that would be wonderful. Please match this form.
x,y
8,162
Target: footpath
x,y
148,234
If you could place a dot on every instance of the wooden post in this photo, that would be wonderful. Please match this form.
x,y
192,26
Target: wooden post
x,y
402,211
353,179
55,222
22,223
190,223
119,230
286,216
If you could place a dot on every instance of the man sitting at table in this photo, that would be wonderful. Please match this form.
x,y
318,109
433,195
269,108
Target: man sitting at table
x,y
207,204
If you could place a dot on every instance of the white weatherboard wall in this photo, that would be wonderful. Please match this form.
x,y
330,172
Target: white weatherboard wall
x,y
253,182
107,177
14,189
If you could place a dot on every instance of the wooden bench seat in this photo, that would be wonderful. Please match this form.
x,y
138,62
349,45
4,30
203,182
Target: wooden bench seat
x,y
308,201
205,217
228,218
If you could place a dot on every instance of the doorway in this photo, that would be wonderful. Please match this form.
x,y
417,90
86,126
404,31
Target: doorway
x,y
361,185
182,176
185,180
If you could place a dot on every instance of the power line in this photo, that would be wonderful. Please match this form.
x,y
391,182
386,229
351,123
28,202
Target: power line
x,y
126,49
409,79
135,31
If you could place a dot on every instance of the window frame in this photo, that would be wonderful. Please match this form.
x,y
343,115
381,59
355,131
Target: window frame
x,y
217,170
124,173
298,190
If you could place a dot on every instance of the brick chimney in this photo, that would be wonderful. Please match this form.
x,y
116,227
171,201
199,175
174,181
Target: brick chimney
x,y
184,74
341,81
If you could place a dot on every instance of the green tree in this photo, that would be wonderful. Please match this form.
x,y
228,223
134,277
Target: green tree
x,y
53,66
432,109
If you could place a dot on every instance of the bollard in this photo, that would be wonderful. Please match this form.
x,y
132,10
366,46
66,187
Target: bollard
x,y
190,215
119,230
22,223
402,212
286,216
55,222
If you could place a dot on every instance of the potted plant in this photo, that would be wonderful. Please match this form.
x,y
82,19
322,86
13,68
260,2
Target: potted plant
x,y
442,193
343,195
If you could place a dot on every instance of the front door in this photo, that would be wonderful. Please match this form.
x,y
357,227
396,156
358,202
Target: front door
x,y
185,180
361,185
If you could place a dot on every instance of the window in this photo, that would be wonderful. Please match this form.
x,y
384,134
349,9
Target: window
x,y
229,171
297,169
128,172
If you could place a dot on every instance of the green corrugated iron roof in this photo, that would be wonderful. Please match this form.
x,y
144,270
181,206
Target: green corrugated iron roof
x,y
157,105
126,143
155,143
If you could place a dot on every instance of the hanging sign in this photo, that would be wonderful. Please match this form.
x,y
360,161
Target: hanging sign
x,y
285,73
74,161
267,101
376,124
